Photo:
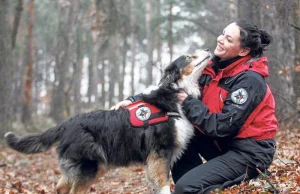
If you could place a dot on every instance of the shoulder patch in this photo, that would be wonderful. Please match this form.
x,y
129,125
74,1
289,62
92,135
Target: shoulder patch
x,y
239,96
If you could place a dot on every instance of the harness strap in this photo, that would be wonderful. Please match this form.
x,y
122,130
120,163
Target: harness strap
x,y
173,114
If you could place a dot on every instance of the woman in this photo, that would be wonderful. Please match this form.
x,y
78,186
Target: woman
x,y
235,121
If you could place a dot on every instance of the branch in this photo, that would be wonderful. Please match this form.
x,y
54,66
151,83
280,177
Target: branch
x,y
294,26
287,163
265,177
279,95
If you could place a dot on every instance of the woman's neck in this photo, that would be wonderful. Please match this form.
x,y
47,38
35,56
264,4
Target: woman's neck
x,y
223,63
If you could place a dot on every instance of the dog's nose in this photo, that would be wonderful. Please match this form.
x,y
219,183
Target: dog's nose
x,y
206,49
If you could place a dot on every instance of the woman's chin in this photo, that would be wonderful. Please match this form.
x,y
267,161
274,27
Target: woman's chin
x,y
218,54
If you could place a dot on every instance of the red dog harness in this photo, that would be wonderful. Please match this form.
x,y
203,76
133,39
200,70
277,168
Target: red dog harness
x,y
143,114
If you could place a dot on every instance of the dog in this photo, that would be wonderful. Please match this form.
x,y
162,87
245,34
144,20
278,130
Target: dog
x,y
90,144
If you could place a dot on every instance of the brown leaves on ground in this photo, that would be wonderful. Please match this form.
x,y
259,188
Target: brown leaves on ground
x,y
38,173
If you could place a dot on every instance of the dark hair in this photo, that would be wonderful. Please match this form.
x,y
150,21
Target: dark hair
x,y
253,38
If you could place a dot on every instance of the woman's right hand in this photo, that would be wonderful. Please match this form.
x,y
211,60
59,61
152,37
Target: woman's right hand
x,y
121,104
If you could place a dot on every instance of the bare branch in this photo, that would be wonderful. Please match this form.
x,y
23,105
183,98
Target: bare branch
x,y
294,26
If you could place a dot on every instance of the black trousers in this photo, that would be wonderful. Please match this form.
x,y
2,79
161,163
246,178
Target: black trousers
x,y
223,168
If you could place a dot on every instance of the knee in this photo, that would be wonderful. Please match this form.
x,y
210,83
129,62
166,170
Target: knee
x,y
184,186
180,187
187,186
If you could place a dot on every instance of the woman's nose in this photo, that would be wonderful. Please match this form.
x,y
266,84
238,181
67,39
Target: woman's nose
x,y
220,39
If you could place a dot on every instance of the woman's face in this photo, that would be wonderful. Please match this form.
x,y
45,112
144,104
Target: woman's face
x,y
228,43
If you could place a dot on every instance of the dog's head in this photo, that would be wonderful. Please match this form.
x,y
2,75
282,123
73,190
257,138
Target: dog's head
x,y
185,72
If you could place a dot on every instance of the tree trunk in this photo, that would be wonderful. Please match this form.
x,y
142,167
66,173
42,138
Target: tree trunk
x,y
28,62
6,71
296,23
245,9
113,68
279,54
149,34
125,33
59,99
113,56
92,70
101,28
133,43
159,40
170,31
17,18
102,81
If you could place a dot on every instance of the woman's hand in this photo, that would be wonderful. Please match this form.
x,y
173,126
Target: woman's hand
x,y
181,96
121,104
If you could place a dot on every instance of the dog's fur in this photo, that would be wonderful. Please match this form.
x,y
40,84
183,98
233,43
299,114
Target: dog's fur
x,y
92,143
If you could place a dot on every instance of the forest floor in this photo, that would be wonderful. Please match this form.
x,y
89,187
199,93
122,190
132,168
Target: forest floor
x,y
39,173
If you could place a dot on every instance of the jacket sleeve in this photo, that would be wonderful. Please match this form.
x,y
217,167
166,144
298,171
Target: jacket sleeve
x,y
229,121
135,97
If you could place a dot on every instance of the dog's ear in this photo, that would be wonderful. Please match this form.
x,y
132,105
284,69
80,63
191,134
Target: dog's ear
x,y
170,76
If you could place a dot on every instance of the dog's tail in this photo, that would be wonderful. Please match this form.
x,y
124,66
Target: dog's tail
x,y
34,143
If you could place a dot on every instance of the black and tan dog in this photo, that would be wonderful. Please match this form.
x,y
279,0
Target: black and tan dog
x,y
92,143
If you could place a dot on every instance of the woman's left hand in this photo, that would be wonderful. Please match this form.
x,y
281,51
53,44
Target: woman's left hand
x,y
181,96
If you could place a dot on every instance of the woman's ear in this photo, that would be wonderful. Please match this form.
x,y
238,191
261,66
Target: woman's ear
x,y
244,52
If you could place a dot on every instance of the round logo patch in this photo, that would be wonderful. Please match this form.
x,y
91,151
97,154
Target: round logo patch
x,y
239,96
143,113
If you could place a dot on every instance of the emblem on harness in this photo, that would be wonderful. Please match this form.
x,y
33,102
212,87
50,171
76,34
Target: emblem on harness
x,y
239,96
143,113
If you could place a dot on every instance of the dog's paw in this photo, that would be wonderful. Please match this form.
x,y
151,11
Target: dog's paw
x,y
165,190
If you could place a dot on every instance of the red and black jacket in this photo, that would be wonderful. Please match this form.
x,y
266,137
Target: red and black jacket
x,y
220,114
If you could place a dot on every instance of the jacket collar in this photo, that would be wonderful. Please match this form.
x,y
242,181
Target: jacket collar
x,y
236,65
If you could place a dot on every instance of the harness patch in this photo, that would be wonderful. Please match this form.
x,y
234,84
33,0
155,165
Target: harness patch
x,y
239,96
143,114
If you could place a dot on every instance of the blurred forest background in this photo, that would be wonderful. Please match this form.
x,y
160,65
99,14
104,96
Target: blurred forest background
x,y
59,58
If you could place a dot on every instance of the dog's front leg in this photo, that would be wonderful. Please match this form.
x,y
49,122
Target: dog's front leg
x,y
158,173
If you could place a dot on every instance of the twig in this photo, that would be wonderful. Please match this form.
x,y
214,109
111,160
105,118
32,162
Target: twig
x,y
265,177
294,26
246,174
3,165
287,163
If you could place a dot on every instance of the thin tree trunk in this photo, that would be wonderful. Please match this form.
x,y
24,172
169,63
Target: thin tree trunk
x,y
170,32
123,66
27,93
245,9
113,68
102,81
6,71
149,35
92,70
17,18
58,104
133,43
125,33
296,77
159,40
